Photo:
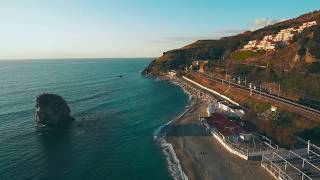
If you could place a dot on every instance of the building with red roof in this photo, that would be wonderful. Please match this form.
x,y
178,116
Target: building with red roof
x,y
224,125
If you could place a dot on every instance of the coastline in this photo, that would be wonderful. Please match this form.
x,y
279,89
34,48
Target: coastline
x,y
173,162
198,155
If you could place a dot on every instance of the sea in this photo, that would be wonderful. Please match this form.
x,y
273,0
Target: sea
x,y
118,117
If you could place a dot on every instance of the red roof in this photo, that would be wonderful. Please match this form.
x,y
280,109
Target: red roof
x,y
224,125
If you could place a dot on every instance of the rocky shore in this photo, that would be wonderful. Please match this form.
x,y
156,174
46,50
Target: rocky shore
x,y
192,91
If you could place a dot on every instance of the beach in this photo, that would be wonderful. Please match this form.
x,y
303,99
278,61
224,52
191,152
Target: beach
x,y
201,156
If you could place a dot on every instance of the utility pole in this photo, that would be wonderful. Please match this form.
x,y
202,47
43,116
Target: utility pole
x,y
226,74
229,83
279,91
260,90
245,81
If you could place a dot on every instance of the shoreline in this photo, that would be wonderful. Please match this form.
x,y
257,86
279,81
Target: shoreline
x,y
173,162
200,155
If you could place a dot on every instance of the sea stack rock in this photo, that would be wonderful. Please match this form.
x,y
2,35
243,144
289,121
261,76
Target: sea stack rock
x,y
52,111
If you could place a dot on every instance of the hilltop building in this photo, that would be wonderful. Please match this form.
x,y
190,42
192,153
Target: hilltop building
x,y
284,36
306,25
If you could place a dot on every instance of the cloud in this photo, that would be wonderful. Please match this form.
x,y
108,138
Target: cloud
x,y
185,39
262,22
188,39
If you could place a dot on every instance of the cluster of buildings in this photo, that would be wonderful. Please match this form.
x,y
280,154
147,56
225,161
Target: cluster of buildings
x,y
269,42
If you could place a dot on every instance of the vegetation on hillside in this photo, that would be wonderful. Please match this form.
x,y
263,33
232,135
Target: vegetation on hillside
x,y
309,40
312,134
286,125
246,54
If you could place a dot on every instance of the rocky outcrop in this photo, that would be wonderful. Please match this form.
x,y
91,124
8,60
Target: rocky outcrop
x,y
52,111
309,58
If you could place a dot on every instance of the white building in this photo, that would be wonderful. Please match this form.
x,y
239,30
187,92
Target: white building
x,y
251,45
270,47
230,109
306,25
288,30
172,73
268,42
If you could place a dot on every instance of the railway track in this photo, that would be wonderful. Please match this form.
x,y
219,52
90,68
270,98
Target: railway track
x,y
272,97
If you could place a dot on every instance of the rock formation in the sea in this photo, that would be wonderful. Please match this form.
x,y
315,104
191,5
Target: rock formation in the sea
x,y
52,111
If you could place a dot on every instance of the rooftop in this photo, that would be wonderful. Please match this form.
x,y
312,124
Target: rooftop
x,y
224,125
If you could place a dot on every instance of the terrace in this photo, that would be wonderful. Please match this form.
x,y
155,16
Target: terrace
x,y
236,136
294,164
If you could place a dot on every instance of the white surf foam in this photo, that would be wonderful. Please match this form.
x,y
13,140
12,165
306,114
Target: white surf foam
x,y
172,159
174,165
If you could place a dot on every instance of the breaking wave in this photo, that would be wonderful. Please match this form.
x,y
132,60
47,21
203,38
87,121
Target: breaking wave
x,y
173,162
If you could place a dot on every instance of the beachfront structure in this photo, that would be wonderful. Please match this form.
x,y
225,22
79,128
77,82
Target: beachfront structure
x,y
226,127
268,43
227,108
230,109
238,140
297,164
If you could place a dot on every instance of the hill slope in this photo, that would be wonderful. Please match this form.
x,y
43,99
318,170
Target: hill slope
x,y
304,47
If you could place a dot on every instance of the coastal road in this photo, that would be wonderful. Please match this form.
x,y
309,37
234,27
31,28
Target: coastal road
x,y
301,109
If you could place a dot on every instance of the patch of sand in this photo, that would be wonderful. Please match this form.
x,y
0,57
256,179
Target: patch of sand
x,y
202,156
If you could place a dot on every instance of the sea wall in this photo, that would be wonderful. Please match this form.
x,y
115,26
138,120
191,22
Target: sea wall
x,y
212,91
226,145
230,148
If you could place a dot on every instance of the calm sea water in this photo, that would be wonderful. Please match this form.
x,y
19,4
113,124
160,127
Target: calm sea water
x,y
112,136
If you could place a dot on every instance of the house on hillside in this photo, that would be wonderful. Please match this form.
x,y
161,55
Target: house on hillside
x,y
284,36
172,73
251,45
267,43
306,25
199,65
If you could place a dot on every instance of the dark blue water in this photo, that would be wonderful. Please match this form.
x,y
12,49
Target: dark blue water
x,y
112,136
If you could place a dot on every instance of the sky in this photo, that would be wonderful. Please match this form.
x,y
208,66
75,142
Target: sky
x,y
35,29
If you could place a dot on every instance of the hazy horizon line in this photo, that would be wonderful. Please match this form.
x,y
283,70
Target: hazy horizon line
x,y
74,58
